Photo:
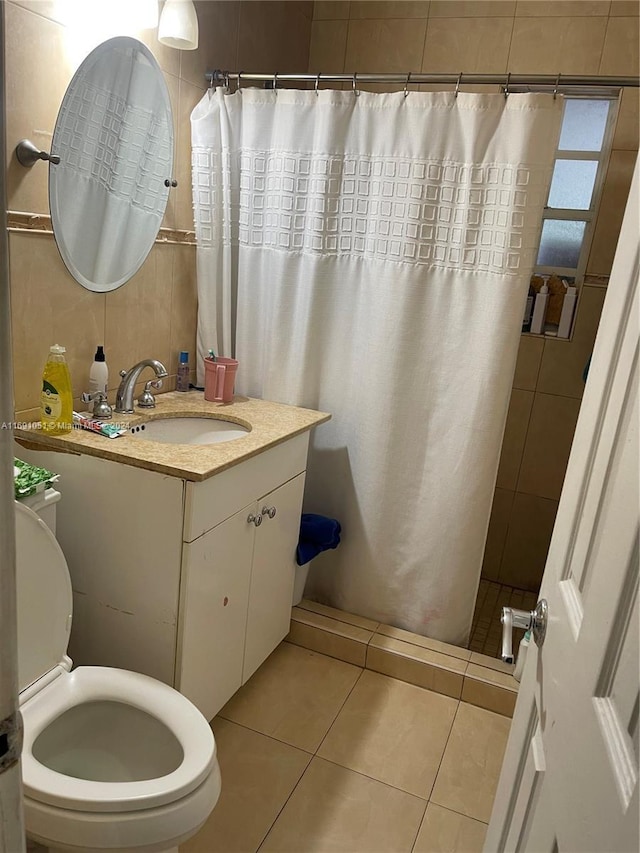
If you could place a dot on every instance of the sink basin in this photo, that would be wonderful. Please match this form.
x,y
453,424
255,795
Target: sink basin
x,y
189,430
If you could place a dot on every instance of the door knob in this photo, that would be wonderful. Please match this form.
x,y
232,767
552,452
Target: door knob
x,y
531,620
269,510
254,519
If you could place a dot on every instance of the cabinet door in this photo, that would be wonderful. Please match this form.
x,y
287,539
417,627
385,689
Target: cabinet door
x,y
273,573
216,571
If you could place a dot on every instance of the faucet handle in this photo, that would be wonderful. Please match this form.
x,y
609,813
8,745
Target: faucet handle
x,y
101,408
146,400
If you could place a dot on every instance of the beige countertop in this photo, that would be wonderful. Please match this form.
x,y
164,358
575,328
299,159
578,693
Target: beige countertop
x,y
269,424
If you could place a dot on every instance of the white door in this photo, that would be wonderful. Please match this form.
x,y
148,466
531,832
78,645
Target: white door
x,y
570,776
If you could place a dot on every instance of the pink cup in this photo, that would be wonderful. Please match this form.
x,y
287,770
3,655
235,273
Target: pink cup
x,y
219,379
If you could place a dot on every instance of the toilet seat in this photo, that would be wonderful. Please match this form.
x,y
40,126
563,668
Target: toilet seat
x,y
94,684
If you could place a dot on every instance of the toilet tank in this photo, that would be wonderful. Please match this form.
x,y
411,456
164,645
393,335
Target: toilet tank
x,y
44,504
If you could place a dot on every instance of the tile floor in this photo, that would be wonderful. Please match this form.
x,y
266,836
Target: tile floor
x,y
486,630
321,755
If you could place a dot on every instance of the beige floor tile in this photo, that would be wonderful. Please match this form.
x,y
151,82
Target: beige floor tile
x,y
392,731
470,769
334,809
294,696
258,775
444,831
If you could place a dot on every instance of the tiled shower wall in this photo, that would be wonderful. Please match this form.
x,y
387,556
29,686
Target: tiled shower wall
x,y
154,314
495,37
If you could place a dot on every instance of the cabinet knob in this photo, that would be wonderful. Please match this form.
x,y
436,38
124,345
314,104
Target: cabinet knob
x,y
269,510
254,519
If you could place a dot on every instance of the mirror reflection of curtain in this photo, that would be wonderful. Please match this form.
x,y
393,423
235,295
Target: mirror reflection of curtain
x,y
382,248
114,138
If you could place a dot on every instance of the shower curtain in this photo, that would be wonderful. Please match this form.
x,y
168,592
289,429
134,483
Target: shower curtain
x,y
369,255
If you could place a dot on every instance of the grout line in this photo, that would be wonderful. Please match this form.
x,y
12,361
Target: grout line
x,y
312,756
263,734
462,814
413,843
373,779
446,744
273,823
338,713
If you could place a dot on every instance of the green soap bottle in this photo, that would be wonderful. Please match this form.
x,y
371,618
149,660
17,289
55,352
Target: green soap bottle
x,y
56,399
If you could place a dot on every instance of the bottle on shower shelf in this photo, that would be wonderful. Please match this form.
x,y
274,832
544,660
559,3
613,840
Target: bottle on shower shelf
x,y
528,311
540,310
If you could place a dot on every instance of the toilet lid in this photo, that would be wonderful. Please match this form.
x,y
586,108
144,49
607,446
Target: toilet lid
x,y
44,598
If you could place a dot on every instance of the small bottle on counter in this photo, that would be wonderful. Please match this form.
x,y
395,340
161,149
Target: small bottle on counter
x,y
98,373
182,383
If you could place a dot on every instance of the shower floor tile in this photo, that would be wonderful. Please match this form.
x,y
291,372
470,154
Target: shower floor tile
x,y
486,630
357,784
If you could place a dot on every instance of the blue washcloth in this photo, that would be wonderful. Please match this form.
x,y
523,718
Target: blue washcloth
x,y
317,533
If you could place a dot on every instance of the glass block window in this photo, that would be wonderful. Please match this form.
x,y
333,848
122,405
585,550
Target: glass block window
x,y
578,175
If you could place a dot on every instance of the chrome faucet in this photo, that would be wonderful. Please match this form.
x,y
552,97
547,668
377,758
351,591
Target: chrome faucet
x,y
124,394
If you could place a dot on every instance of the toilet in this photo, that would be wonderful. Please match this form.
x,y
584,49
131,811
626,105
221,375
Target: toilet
x,y
112,759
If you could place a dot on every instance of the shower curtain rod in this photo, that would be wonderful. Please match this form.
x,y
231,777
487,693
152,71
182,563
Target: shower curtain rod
x,y
558,83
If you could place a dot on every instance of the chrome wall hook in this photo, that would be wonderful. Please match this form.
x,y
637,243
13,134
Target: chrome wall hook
x,y
458,84
27,154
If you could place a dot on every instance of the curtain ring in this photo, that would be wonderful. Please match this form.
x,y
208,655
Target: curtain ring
x,y
355,85
458,84
240,73
505,88
555,90
317,83
406,84
225,75
275,83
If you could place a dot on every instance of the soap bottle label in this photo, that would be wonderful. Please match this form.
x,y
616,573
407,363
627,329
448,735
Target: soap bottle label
x,y
50,402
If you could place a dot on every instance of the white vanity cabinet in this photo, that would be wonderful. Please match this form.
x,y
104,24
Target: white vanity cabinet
x,y
237,583
173,578
237,576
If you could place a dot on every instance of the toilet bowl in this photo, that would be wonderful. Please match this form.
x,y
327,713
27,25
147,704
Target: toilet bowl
x,y
112,759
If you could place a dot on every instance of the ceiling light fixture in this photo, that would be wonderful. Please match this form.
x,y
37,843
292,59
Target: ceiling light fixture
x,y
179,25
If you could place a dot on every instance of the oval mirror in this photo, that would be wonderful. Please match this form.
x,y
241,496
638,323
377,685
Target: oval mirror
x,y
114,137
